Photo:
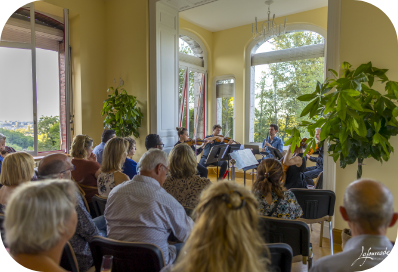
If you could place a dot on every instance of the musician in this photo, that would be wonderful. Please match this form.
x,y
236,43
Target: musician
x,y
212,142
314,171
297,163
183,137
272,141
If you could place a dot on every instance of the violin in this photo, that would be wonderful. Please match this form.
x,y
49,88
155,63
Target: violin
x,y
192,142
226,139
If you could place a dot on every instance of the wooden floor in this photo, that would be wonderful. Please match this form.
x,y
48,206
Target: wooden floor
x,y
318,252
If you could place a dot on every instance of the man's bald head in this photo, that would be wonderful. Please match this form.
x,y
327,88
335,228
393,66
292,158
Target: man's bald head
x,y
369,204
52,165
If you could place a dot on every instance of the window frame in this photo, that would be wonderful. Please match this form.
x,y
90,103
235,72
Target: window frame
x,y
218,78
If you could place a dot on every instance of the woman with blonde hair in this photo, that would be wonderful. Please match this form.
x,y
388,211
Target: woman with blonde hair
x,y
130,166
183,183
18,167
113,158
273,198
225,237
40,219
86,167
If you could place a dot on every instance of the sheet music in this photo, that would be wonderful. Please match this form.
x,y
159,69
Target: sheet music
x,y
244,158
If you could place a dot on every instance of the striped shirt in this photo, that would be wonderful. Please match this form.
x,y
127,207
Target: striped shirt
x,y
140,210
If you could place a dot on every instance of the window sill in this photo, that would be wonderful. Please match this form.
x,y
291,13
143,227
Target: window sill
x,y
41,155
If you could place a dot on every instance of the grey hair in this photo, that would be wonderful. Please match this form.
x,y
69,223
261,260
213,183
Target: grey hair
x,y
151,159
317,129
30,203
2,137
377,211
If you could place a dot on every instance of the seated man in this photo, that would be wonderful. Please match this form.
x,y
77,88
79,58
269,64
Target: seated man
x,y
313,172
59,166
272,142
211,142
99,149
153,141
369,211
4,149
140,210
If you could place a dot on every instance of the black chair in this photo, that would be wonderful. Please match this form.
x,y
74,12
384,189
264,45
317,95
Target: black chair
x,y
68,259
292,232
2,234
318,207
281,257
127,256
99,204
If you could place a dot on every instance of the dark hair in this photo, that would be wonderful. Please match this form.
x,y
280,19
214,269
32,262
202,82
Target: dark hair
x,y
107,135
152,140
51,168
181,130
274,126
217,126
269,171
131,142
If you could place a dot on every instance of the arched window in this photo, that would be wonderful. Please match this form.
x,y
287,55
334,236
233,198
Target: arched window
x,y
282,69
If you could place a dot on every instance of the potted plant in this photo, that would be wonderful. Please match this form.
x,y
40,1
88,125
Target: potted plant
x,y
356,120
122,113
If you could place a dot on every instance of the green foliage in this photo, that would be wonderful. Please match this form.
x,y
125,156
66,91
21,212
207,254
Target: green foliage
x,y
122,113
48,129
356,120
227,104
17,140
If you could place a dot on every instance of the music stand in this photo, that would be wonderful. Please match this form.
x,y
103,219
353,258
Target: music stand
x,y
215,155
230,148
245,160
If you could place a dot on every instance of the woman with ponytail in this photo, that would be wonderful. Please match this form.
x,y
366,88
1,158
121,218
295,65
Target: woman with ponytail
x,y
274,200
297,164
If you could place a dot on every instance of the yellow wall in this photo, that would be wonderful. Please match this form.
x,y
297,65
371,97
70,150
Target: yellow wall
x,y
364,40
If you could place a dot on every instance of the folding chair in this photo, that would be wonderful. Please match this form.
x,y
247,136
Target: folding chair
x,y
68,259
281,257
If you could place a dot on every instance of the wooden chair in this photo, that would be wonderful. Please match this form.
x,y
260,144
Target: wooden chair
x,y
68,259
2,233
99,204
281,257
127,256
82,193
319,181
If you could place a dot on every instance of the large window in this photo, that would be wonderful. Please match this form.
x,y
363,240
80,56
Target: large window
x,y
284,68
225,92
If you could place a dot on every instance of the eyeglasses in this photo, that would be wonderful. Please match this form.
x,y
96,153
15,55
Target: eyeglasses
x,y
165,167
70,169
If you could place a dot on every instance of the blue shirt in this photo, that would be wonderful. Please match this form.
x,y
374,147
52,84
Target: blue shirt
x,y
276,143
1,162
98,150
130,168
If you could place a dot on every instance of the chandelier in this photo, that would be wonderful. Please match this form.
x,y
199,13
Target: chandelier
x,y
268,29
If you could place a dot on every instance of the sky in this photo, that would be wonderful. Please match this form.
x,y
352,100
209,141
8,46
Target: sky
x,y
16,93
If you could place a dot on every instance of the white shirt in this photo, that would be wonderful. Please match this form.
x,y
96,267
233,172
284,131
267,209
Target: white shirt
x,y
140,210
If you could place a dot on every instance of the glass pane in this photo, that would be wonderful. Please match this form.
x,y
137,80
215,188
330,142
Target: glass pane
x,y
181,75
191,103
227,122
185,48
48,101
16,110
17,28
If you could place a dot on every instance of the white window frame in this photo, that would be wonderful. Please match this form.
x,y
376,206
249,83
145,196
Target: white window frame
x,y
215,79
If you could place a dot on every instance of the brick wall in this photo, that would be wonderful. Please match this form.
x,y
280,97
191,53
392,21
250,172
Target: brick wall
x,y
62,89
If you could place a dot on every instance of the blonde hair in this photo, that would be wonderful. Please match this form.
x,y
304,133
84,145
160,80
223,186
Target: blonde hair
x,y
182,162
79,145
53,201
225,236
17,167
112,158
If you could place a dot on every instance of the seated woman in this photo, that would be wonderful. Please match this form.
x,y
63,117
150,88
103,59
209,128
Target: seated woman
x,y
272,197
297,163
113,158
225,236
86,167
4,150
130,166
38,244
18,167
183,137
183,183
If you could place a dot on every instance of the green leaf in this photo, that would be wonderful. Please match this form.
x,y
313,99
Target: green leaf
x,y
395,112
361,78
334,72
346,65
379,106
361,128
335,156
341,108
363,68
325,131
307,97
352,102
351,92
331,103
309,107
372,92
288,142
371,80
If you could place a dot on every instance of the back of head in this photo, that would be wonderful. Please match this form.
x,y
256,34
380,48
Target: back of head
x,y
182,162
181,130
369,204
107,135
16,168
52,165
113,157
270,176
151,141
79,145
52,200
225,236
151,159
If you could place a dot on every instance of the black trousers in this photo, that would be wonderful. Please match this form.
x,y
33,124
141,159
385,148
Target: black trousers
x,y
310,173
202,170
222,164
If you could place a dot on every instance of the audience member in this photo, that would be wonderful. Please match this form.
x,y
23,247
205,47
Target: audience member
x,y
18,167
4,149
273,198
226,235
140,210
59,166
130,166
183,183
313,172
369,211
110,174
107,134
40,219
153,141
296,163
86,167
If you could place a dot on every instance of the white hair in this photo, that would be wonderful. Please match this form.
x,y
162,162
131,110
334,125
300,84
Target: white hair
x,y
37,214
317,129
2,137
151,159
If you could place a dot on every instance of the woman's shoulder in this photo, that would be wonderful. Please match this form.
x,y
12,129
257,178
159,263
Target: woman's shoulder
x,y
130,162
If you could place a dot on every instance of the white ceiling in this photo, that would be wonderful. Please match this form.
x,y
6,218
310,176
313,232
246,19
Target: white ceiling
x,y
225,14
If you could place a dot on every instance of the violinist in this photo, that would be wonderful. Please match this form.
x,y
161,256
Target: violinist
x,y
272,141
215,139
296,163
313,171
184,137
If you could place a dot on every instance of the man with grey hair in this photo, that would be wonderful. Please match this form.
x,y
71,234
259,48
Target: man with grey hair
x,y
4,149
369,211
140,210
313,172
